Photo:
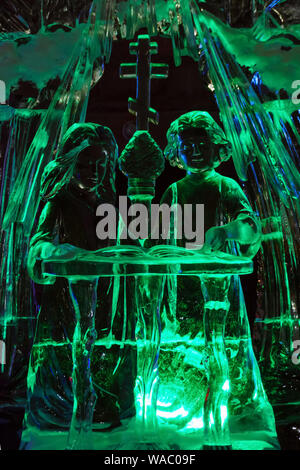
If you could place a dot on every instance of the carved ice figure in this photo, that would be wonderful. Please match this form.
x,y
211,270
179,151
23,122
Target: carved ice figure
x,y
79,179
198,145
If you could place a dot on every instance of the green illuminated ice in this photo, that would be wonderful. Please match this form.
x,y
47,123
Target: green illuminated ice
x,y
164,354
151,318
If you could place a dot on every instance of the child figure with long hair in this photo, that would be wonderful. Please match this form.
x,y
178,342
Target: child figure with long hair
x,y
81,177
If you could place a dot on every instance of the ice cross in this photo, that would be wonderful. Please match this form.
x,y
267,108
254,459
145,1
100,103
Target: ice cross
x,y
143,70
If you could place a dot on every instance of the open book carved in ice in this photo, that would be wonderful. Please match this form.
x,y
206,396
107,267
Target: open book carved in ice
x,y
69,260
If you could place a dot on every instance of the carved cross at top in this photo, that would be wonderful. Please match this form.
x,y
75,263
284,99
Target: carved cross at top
x,y
143,70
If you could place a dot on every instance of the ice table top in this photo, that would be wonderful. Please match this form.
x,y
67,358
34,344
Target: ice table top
x,y
75,263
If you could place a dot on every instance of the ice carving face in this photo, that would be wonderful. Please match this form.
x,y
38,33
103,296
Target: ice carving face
x,y
91,166
196,152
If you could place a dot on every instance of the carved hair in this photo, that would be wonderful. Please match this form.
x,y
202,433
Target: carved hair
x,y
59,172
197,120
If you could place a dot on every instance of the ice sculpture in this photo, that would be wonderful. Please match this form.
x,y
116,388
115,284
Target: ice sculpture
x,y
34,137
275,198
264,136
140,153
198,145
83,175
73,185
143,431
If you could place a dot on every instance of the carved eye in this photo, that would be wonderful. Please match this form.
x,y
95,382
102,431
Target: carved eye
x,y
187,147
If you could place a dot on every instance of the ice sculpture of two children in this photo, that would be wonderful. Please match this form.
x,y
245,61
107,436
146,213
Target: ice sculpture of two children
x,y
82,176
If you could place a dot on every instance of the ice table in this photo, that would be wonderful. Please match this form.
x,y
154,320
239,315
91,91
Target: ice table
x,y
83,269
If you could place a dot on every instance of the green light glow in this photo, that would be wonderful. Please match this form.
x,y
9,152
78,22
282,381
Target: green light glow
x,y
154,335
180,412
195,423
226,386
223,414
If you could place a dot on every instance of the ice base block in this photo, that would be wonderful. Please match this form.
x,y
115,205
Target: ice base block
x,y
192,391
124,438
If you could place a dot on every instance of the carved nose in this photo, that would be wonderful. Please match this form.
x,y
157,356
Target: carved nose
x,y
196,149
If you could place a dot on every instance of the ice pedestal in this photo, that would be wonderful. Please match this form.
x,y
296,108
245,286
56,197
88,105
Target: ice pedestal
x,y
84,270
216,306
